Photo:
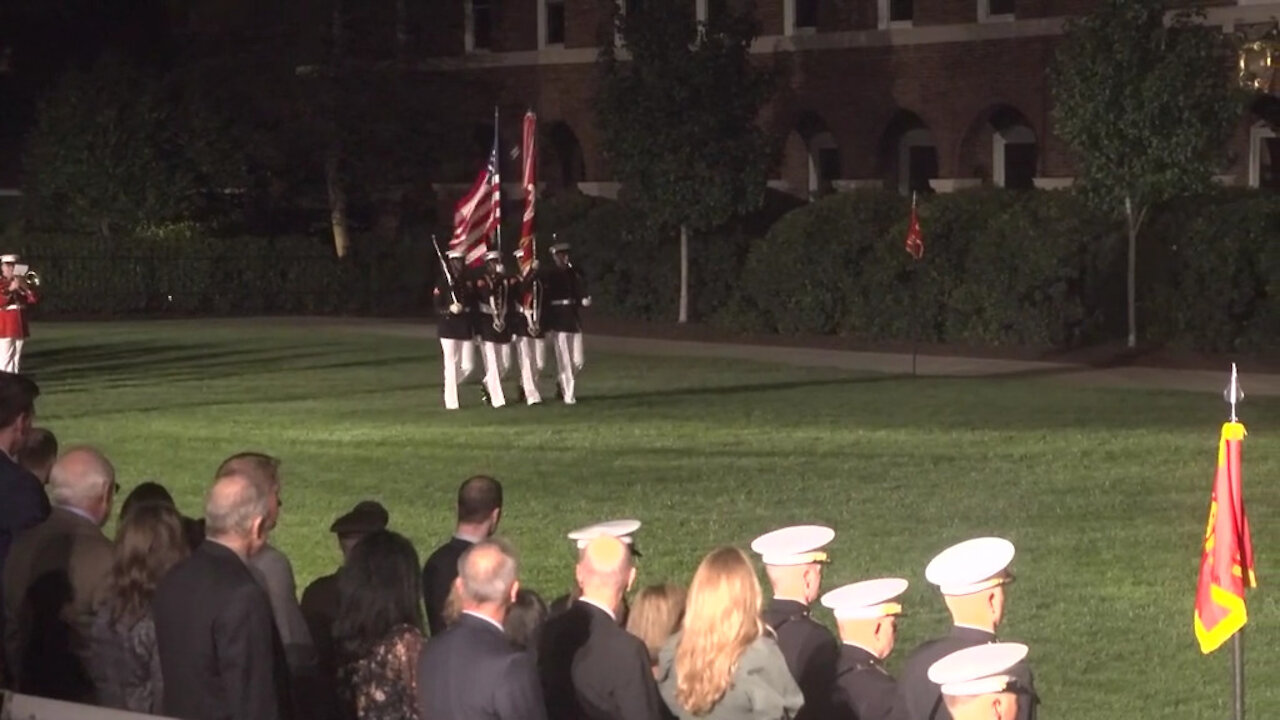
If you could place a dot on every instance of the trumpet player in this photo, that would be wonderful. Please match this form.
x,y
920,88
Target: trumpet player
x,y
531,348
494,289
454,299
566,292
18,294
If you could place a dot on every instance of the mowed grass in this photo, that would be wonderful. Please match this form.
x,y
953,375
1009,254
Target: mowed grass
x,y
1104,492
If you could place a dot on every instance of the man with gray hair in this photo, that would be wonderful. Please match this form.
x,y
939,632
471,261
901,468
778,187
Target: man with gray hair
x,y
471,671
52,576
220,654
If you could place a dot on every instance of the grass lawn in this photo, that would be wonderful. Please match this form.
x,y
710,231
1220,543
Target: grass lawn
x,y
1104,492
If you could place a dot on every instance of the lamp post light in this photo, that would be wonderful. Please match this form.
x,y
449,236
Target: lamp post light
x,y
1257,61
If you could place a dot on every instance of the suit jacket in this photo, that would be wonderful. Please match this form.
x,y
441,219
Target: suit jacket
x,y
54,574
275,573
320,608
438,574
472,672
864,688
220,654
811,652
922,700
592,669
25,505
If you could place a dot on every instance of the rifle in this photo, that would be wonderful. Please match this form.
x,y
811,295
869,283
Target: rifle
x,y
455,307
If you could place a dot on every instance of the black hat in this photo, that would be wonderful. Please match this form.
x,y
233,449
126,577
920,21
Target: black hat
x,y
366,517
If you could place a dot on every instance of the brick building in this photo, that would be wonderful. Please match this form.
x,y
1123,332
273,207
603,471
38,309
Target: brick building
x,y
906,94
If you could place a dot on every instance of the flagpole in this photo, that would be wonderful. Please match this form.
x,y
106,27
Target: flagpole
x,y
1234,396
915,301
497,174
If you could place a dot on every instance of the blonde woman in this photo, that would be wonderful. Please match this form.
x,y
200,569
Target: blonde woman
x,y
655,616
724,664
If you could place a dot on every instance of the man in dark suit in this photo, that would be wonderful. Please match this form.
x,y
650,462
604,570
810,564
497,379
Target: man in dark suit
x,y
220,654
25,504
55,572
793,559
591,668
471,671
867,614
971,576
479,511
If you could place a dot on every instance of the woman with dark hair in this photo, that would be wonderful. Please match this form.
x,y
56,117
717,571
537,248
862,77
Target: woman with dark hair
x,y
378,630
525,618
123,658
149,492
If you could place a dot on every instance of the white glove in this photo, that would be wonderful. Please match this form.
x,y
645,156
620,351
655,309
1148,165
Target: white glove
x,y
455,308
586,302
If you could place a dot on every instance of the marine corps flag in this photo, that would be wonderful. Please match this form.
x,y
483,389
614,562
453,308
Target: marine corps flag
x,y
915,237
1226,565
528,179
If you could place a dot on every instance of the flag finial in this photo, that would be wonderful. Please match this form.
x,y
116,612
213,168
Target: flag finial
x,y
1234,394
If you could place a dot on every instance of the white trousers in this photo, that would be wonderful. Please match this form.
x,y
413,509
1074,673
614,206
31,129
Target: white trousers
x,y
459,360
494,369
527,352
10,354
539,353
569,360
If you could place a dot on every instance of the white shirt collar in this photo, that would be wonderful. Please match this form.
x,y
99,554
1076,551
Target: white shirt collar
x,y
473,539
589,601
485,618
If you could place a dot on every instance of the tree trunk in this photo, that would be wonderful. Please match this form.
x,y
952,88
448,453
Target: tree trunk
x,y
1132,222
337,205
684,274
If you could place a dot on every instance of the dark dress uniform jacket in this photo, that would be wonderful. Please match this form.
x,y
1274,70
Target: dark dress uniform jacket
x,y
527,287
592,669
922,700
472,672
23,505
448,325
438,574
220,654
864,689
565,288
811,652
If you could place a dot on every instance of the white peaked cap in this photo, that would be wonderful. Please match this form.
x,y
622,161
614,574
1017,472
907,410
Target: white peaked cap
x,y
796,545
560,247
493,255
456,254
8,258
971,566
866,600
520,252
621,529
977,670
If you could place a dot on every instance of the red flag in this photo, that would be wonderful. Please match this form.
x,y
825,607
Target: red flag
x,y
1226,565
529,151
479,213
915,237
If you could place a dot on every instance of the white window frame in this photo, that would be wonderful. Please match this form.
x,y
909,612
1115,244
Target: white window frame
x,y
882,18
919,137
985,16
789,20
821,141
1015,135
701,10
1259,132
469,27
543,18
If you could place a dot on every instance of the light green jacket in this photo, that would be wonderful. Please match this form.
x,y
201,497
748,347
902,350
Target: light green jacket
x,y
762,688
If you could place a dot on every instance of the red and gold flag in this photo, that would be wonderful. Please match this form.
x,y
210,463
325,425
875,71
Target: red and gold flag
x,y
1226,565
528,178
915,237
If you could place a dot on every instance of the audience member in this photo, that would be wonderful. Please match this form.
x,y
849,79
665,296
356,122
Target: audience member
x,y
149,492
54,573
479,512
624,530
793,559
867,618
25,504
471,670
220,653
320,600
655,616
590,667
981,682
724,664
38,453
524,619
123,659
378,631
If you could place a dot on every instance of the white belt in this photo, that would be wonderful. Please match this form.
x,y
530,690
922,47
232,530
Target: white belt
x,y
564,302
12,307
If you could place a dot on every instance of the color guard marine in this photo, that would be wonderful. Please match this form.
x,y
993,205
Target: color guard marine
x,y
566,293
494,295
455,301
527,322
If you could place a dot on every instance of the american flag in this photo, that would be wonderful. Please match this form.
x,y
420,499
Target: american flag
x,y
479,213
528,149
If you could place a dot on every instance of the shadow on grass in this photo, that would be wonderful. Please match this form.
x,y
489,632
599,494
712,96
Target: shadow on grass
x,y
740,389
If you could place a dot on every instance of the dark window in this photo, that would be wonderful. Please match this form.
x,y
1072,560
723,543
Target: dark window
x,y
716,8
1000,7
828,165
634,6
901,10
482,24
1269,164
1019,165
922,166
806,13
555,22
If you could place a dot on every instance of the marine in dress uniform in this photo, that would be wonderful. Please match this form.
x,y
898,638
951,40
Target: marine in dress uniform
x,y
982,682
454,298
624,530
566,289
526,320
793,558
866,613
971,576
18,294
493,292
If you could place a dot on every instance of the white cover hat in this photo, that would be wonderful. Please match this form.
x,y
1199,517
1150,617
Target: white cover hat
x,y
520,252
621,529
458,254
866,600
796,545
8,258
977,670
493,255
971,566
560,247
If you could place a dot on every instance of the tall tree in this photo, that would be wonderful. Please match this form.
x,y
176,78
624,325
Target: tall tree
x,y
679,118
1144,99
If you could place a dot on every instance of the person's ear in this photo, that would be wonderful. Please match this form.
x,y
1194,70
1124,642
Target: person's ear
x,y
515,590
631,578
259,527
